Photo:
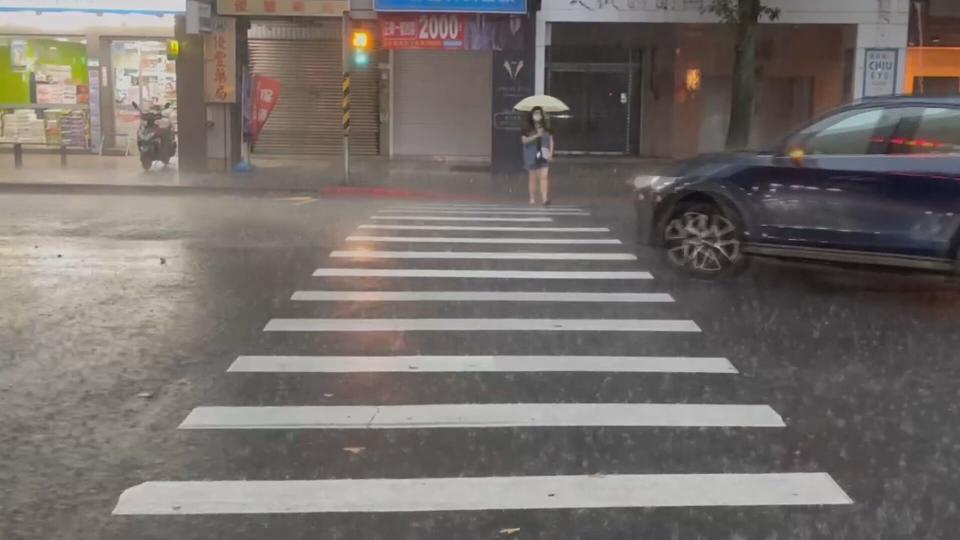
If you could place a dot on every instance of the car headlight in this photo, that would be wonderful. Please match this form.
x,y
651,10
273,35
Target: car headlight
x,y
653,182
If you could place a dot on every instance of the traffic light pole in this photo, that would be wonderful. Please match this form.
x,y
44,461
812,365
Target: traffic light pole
x,y
346,96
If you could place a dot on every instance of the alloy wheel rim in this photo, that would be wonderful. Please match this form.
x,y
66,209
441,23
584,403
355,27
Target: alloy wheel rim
x,y
702,242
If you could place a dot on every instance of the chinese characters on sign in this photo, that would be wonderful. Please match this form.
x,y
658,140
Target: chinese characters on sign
x,y
266,92
425,31
296,8
452,31
220,62
880,72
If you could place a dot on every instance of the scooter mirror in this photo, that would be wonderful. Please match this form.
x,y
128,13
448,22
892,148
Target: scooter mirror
x,y
134,103
166,106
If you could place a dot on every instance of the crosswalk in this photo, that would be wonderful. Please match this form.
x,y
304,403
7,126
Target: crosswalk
x,y
524,238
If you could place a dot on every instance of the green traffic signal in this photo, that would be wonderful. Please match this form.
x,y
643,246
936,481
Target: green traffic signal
x,y
361,58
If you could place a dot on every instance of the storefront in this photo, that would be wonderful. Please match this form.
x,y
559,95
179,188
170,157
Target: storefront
x,y
138,72
654,78
444,60
933,59
441,88
45,91
70,72
299,44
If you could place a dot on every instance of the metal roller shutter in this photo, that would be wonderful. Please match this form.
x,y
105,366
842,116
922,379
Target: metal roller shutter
x,y
306,120
442,103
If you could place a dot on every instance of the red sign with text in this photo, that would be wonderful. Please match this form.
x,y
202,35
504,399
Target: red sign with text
x,y
423,31
266,92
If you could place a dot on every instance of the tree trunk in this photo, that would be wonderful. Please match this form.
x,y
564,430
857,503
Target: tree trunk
x,y
744,77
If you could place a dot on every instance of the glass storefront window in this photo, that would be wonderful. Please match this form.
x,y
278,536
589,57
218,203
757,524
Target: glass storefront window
x,y
141,74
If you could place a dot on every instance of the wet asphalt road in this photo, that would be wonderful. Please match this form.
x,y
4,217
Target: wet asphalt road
x,y
121,314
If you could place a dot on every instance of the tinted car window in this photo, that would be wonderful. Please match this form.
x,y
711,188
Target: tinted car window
x,y
849,133
928,130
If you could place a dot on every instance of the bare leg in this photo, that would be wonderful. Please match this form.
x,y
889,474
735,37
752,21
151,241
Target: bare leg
x,y
545,184
532,185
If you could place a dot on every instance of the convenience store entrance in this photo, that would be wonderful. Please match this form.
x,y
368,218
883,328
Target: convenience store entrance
x,y
139,73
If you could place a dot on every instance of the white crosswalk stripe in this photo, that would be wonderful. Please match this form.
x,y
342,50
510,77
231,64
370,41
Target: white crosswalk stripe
x,y
472,212
497,415
531,229
475,240
479,274
480,206
434,494
388,217
480,325
480,364
484,493
493,255
475,296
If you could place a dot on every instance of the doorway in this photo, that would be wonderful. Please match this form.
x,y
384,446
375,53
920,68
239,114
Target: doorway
x,y
601,100
142,74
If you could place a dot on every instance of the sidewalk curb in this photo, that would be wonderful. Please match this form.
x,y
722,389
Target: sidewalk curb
x,y
324,191
132,189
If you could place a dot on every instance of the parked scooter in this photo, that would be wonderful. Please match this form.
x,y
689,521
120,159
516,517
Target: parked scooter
x,y
155,138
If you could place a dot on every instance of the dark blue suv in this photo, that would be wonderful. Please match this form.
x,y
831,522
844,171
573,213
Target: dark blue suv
x,y
874,182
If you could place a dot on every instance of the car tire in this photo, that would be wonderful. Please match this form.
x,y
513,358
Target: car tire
x,y
703,240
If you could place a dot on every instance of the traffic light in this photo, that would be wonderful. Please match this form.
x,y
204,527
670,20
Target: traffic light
x,y
360,43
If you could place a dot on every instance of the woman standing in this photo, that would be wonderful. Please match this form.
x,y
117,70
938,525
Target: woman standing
x,y
537,153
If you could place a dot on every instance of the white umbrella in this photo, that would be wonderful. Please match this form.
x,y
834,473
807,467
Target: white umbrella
x,y
549,104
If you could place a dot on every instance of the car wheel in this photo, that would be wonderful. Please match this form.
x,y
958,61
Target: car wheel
x,y
703,240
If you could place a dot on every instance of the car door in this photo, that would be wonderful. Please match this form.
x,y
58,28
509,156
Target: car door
x,y
923,183
827,197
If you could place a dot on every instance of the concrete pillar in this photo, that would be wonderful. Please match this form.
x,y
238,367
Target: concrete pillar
x,y
542,40
191,110
879,36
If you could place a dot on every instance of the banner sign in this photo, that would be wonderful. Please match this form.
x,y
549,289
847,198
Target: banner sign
x,y
422,31
220,61
880,68
452,6
266,92
100,6
512,81
286,8
452,31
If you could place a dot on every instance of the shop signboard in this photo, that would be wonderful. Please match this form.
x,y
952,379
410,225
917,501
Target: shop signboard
x,y
452,6
451,31
285,8
95,128
220,61
99,6
513,80
198,17
422,31
880,72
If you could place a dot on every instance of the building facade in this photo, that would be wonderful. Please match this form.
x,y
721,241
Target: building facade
x,y
933,57
642,77
72,76
653,77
